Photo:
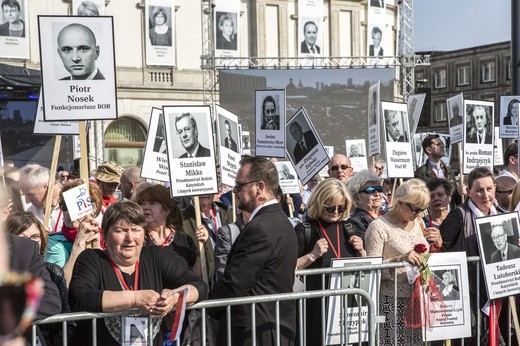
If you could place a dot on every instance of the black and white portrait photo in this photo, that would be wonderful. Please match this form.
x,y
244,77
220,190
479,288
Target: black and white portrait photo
x,y
226,31
160,32
284,172
304,140
395,126
78,50
12,23
375,48
160,137
373,107
447,285
356,150
188,132
228,134
509,108
310,38
377,3
479,126
155,160
455,114
271,117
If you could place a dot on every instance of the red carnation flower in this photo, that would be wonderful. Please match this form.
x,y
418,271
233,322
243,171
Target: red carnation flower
x,y
420,248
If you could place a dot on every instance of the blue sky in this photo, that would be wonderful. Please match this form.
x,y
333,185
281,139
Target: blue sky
x,y
456,24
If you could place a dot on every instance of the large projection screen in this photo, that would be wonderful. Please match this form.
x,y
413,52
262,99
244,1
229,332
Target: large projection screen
x,y
336,99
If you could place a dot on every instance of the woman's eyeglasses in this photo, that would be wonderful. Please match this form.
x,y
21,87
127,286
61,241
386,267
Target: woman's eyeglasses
x,y
371,189
415,211
335,208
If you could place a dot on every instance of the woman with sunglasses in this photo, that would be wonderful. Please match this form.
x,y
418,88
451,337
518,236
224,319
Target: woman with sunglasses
x,y
366,192
64,247
329,238
393,236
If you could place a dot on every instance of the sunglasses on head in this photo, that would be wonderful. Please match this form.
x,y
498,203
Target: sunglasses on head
x,y
371,189
333,208
343,167
20,296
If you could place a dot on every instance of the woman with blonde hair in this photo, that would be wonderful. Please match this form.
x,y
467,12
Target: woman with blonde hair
x,y
394,236
324,237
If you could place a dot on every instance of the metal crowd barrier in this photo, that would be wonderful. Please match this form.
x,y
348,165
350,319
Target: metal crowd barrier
x,y
299,298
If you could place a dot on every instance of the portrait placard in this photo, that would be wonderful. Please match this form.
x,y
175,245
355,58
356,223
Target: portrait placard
x,y
449,318
397,136
509,116
53,127
354,327
14,30
78,201
497,237
246,143
498,150
226,30
287,177
229,145
78,68
356,152
415,104
270,120
374,111
324,172
477,149
304,146
310,28
160,37
190,149
455,108
155,158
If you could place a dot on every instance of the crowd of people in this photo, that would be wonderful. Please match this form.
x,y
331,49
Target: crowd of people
x,y
140,248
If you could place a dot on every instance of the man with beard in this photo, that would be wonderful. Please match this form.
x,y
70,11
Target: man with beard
x,y
261,261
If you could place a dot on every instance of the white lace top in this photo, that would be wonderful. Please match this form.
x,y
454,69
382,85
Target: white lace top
x,y
383,239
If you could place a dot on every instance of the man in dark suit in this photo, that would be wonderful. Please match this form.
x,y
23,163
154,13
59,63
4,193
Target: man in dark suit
x,y
79,51
261,261
186,127
304,141
229,142
456,118
394,127
504,250
354,151
480,133
310,31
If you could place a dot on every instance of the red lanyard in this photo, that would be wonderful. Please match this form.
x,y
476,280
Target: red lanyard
x,y
57,222
430,219
120,276
167,240
337,253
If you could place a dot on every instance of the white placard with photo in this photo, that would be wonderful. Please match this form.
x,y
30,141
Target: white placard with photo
x,y
53,127
287,178
497,237
397,137
76,147
226,28
304,146
246,143
356,318
229,145
78,201
310,28
509,116
455,107
88,7
324,173
415,104
451,317
160,37
14,30
155,158
478,135
190,149
78,68
270,120
356,152
374,118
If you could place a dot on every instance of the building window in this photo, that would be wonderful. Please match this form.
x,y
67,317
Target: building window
x,y
440,111
508,69
463,75
125,140
440,78
488,71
